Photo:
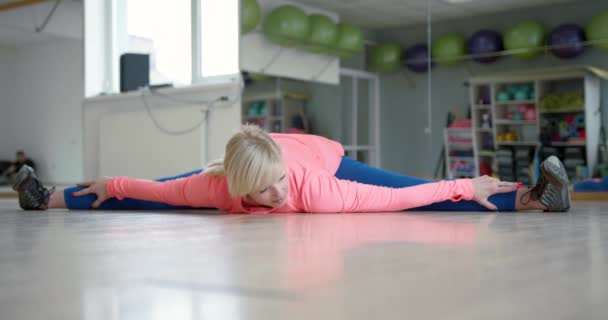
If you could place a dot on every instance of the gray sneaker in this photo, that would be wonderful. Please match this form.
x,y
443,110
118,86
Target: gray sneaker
x,y
552,189
32,194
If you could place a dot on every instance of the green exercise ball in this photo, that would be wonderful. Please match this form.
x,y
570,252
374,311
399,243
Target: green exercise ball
x,y
385,58
259,77
448,49
597,29
250,15
350,41
287,26
323,34
527,35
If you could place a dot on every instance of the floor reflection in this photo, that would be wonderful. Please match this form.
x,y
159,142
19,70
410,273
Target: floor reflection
x,y
317,244
315,249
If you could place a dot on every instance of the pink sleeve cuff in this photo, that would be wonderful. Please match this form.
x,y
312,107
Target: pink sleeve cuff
x,y
110,188
464,190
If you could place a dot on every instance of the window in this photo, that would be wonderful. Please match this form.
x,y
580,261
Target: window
x,y
162,29
184,48
219,37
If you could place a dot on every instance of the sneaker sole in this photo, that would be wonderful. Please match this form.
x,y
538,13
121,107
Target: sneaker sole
x,y
22,175
556,174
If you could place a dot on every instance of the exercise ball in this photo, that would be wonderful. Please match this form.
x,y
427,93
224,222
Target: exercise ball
x,y
485,42
597,30
250,18
323,33
448,49
287,25
385,58
416,58
527,35
566,41
350,41
259,77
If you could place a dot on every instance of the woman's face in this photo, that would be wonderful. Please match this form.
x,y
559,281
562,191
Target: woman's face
x,y
273,196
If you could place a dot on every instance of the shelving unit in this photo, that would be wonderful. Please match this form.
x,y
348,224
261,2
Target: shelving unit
x,y
513,102
516,122
274,112
516,127
518,143
459,156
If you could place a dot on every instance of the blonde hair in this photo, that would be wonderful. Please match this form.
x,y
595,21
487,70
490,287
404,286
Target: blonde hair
x,y
252,161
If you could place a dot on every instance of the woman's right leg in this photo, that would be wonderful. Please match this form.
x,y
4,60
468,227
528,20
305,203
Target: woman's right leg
x,y
360,172
64,199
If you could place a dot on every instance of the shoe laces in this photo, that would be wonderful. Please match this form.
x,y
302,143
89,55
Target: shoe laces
x,y
536,192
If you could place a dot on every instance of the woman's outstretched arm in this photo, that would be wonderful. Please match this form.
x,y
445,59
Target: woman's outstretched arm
x,y
200,190
322,192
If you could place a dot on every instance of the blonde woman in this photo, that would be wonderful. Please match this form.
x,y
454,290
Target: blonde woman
x,y
265,173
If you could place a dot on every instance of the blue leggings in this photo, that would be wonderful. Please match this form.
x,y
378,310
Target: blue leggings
x,y
349,170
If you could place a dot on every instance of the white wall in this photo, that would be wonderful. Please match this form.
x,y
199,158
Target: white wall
x,y
19,25
7,101
131,145
119,138
46,118
41,88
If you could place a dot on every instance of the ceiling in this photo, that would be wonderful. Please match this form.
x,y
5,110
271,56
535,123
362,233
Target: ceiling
x,y
379,14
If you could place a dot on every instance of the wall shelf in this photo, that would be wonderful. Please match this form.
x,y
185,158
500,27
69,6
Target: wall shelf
x,y
514,102
568,144
517,143
482,107
561,111
515,122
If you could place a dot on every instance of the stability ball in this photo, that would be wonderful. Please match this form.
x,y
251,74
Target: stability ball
x,y
448,49
350,41
323,33
565,41
259,77
526,36
597,30
250,18
385,58
416,58
287,25
485,42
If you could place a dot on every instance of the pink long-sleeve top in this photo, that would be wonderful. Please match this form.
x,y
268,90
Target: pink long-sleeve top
x,y
311,163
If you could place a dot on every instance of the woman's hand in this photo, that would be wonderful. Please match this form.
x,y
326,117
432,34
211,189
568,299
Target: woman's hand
x,y
484,187
97,187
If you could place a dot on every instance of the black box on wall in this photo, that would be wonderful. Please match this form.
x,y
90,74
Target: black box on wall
x,y
134,71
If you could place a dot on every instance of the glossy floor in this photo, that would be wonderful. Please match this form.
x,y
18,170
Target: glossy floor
x,y
201,265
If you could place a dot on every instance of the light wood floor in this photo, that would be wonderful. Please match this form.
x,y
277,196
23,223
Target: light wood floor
x,y
205,265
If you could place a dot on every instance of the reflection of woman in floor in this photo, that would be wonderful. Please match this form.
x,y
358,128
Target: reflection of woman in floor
x,y
298,173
